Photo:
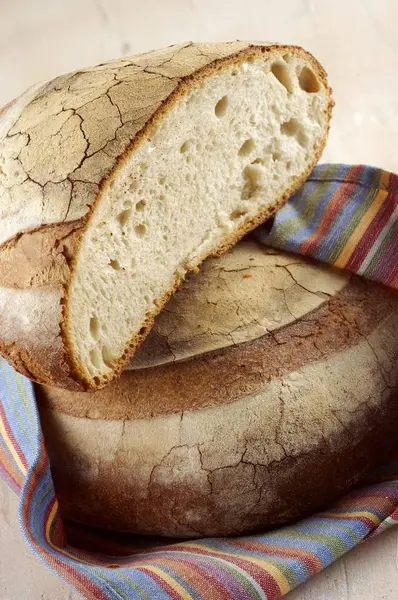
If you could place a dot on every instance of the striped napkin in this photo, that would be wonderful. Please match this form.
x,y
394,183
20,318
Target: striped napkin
x,y
343,215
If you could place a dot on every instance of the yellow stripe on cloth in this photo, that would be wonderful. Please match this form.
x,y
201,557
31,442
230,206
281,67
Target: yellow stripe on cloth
x,y
170,581
51,517
50,520
13,452
263,564
359,231
353,515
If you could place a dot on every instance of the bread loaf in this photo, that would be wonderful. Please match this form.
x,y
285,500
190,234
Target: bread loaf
x,y
267,387
117,180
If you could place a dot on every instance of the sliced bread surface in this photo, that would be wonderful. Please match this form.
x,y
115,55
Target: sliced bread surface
x,y
118,180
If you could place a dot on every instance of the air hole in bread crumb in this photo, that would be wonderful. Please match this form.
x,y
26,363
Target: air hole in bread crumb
x,y
308,81
124,216
106,355
133,185
251,178
115,265
287,58
247,147
257,161
236,214
94,328
221,107
276,156
162,180
302,138
234,73
290,128
95,358
282,74
96,380
140,230
184,148
140,205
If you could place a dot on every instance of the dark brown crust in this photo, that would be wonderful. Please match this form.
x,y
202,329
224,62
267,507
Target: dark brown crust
x,y
342,322
185,85
299,451
302,484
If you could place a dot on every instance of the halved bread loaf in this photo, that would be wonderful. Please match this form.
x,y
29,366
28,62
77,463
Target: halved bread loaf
x,y
296,402
117,180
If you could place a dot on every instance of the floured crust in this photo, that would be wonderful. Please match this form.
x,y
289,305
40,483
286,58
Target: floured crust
x,y
247,293
240,370
239,439
121,101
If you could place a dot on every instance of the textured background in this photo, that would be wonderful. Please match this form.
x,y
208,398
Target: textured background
x,y
357,43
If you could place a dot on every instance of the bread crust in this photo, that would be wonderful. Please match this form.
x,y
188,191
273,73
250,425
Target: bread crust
x,y
70,192
239,439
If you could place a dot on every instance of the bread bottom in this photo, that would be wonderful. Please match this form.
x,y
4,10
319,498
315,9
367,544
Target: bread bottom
x,y
284,425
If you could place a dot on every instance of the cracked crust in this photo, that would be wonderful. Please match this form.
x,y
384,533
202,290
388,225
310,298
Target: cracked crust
x,y
61,144
238,439
239,297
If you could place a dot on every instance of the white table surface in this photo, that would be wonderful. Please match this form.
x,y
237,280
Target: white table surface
x,y
356,41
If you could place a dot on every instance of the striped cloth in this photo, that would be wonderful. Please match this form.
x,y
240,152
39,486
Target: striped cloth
x,y
346,216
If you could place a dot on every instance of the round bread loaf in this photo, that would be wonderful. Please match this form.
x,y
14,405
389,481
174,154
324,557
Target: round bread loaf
x,y
267,387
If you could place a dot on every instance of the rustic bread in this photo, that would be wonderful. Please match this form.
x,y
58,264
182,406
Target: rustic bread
x,y
116,181
296,401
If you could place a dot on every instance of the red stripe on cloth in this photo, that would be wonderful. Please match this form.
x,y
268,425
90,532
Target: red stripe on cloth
x,y
264,579
56,532
393,279
193,572
343,193
10,471
82,583
370,237
381,502
174,595
393,183
33,480
11,437
310,560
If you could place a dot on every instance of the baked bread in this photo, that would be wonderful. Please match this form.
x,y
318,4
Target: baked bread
x,y
285,396
117,180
